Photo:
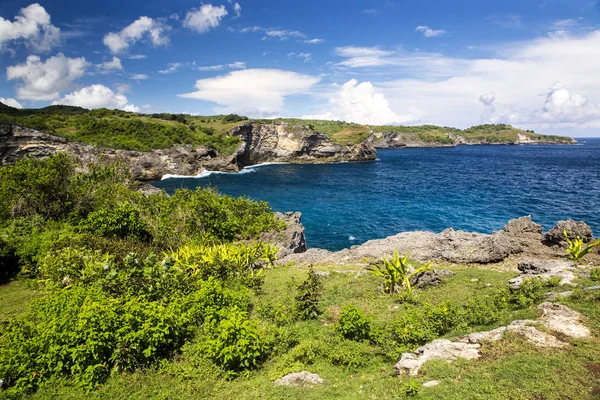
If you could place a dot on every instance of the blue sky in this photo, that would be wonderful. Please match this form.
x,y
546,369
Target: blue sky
x,y
530,63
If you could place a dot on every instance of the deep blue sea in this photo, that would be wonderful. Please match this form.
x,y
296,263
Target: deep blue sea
x,y
475,188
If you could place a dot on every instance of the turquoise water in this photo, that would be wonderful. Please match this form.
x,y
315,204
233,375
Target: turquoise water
x,y
475,188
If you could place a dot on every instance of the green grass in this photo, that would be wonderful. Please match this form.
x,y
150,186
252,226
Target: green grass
x,y
16,296
511,368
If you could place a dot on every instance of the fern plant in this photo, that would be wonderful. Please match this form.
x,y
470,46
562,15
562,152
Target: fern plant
x,y
397,272
575,249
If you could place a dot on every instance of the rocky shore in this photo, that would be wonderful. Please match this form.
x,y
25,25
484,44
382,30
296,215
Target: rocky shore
x,y
259,143
520,239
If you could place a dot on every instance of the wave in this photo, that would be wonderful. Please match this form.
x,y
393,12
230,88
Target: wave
x,y
206,173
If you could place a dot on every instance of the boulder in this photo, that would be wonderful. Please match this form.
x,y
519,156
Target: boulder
x,y
556,236
289,240
298,379
562,319
430,278
440,349
429,384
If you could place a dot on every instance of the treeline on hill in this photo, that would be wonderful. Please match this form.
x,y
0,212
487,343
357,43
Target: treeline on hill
x,y
128,277
129,131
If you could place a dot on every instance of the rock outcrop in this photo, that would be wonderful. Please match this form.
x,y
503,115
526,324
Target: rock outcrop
x,y
519,237
554,318
259,143
575,229
289,240
545,269
283,142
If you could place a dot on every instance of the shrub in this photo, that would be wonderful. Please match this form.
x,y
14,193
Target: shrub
x,y
595,274
397,273
575,249
350,354
72,265
484,310
530,292
443,318
234,342
354,324
308,351
123,222
307,299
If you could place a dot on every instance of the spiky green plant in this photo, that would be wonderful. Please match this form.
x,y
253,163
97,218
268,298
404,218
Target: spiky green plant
x,y
575,249
397,272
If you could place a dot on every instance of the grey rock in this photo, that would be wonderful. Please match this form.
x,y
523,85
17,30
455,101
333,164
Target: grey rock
x,y
545,269
562,319
556,236
323,274
440,349
597,287
298,379
429,384
289,240
430,278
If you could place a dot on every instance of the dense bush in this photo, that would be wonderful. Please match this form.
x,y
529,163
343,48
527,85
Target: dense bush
x,y
234,342
595,274
73,265
122,222
354,324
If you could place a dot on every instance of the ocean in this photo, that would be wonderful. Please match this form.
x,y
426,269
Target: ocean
x,y
473,188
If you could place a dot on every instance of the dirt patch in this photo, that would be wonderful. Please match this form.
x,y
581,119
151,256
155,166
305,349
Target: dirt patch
x,y
594,369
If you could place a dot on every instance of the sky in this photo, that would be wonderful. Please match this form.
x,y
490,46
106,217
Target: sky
x,y
534,64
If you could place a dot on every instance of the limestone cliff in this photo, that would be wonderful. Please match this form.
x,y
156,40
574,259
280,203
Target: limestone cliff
x,y
259,143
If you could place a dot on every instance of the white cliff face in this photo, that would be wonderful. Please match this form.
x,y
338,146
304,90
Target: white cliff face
x,y
294,143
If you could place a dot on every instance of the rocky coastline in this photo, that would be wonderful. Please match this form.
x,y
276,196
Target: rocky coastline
x,y
259,143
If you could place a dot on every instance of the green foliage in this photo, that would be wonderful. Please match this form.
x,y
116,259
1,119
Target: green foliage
x,y
411,388
595,274
234,342
397,273
122,222
531,291
72,265
354,324
36,187
575,249
350,354
485,310
307,298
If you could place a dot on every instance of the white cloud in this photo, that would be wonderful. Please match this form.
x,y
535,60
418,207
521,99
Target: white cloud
x,y
171,67
237,9
237,65
137,56
97,96
362,104
45,80
449,90
154,30
211,68
283,34
252,91
32,26
430,33
364,56
11,102
204,18
139,77
122,88
114,64
313,41
306,56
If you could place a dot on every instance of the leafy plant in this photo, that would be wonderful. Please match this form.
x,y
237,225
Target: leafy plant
x,y
397,273
411,388
123,222
307,299
234,343
595,274
354,324
575,249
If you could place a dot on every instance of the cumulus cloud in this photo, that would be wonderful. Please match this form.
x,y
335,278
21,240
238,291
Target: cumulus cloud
x,y
45,80
430,33
252,91
153,30
362,104
11,102
114,64
97,96
204,18
32,25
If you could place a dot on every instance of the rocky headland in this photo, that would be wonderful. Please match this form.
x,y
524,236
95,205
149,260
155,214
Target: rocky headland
x,y
259,143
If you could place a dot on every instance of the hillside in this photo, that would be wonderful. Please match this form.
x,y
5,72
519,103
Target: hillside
x,y
145,132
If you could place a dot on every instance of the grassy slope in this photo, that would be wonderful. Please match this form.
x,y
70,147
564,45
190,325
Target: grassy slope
x,y
130,131
511,368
